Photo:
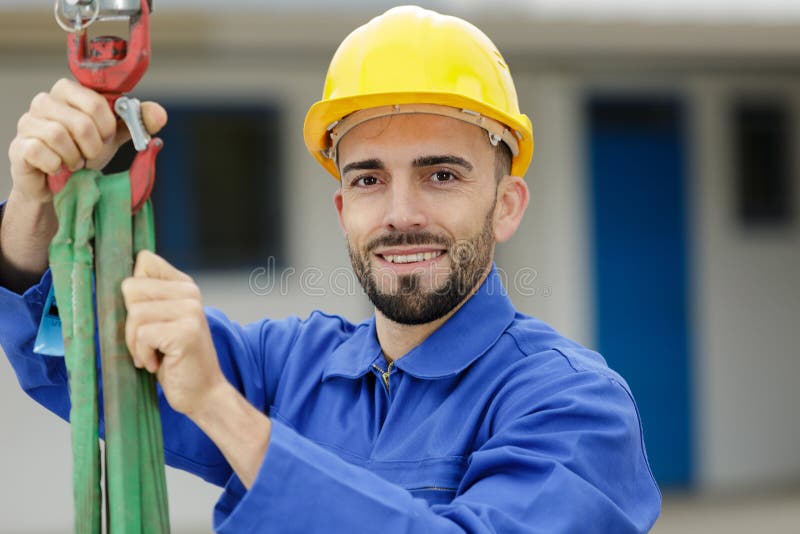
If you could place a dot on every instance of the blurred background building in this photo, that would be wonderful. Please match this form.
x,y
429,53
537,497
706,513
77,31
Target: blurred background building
x,y
663,228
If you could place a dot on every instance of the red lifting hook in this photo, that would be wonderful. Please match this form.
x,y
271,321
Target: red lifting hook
x,y
113,66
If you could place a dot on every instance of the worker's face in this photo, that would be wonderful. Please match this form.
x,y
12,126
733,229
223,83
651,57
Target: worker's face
x,y
417,205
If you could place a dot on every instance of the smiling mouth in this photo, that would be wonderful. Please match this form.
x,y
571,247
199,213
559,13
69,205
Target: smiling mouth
x,y
411,258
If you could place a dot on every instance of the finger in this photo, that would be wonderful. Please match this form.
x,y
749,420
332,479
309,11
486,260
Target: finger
x,y
136,290
150,265
154,117
82,128
149,338
157,311
55,135
89,102
39,156
152,311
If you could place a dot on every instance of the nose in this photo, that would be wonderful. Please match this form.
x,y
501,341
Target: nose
x,y
405,210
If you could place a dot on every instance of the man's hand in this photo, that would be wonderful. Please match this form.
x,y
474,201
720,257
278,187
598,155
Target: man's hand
x,y
70,125
167,333
73,126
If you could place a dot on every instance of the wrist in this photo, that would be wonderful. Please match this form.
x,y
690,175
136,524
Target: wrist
x,y
237,428
27,226
30,199
210,407
34,216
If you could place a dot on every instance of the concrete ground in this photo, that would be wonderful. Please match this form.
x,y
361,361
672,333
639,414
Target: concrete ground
x,y
770,512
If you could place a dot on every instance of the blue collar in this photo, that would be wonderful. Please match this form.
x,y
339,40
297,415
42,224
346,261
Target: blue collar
x,y
464,338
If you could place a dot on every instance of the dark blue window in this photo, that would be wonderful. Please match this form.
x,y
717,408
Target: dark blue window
x,y
217,195
762,156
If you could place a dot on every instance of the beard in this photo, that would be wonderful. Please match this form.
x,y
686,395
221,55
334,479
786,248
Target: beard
x,y
404,298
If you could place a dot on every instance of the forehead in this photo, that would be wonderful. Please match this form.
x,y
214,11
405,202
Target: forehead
x,y
414,134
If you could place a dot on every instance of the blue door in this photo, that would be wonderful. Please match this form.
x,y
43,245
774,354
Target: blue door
x,y
637,169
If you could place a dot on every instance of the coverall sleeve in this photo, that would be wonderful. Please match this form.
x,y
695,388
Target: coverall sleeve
x,y
43,378
573,463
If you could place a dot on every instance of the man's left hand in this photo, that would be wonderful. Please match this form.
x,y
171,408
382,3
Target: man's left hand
x,y
167,333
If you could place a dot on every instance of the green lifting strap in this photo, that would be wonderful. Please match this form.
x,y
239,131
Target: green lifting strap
x,y
92,205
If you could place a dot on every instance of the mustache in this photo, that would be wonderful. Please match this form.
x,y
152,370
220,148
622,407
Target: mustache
x,y
408,238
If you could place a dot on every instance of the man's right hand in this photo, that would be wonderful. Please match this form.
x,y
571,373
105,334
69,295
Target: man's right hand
x,y
70,125
73,126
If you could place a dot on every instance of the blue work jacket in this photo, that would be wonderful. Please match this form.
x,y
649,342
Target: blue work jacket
x,y
495,423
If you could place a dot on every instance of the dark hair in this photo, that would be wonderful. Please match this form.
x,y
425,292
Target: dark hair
x,y
502,160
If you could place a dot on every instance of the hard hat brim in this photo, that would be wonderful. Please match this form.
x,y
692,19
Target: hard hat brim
x,y
324,113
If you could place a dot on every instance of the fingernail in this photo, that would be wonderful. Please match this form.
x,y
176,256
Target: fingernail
x,y
78,166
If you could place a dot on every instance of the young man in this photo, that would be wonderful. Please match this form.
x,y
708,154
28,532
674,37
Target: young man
x,y
445,412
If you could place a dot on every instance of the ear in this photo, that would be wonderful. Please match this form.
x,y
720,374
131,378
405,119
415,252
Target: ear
x,y
512,200
338,203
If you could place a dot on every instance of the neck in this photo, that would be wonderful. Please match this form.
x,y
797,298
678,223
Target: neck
x,y
397,339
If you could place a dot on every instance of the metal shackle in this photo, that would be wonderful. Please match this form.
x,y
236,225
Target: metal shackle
x,y
76,15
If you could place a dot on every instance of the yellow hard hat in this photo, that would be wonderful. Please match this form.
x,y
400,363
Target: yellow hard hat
x,y
409,57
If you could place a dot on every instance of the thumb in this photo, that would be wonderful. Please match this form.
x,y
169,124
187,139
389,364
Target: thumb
x,y
151,265
154,117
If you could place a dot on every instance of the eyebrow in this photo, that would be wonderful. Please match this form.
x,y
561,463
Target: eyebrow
x,y
423,161
430,161
367,164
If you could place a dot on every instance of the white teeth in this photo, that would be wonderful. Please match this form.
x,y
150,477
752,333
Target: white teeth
x,y
411,258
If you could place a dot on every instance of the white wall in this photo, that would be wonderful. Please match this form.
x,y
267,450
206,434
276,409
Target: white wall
x,y
546,261
747,306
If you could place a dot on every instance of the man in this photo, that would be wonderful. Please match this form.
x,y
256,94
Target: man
x,y
445,412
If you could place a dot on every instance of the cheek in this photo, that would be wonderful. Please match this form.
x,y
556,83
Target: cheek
x,y
464,220
359,219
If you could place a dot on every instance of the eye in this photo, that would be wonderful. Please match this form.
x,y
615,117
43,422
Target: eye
x,y
443,176
364,181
